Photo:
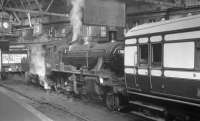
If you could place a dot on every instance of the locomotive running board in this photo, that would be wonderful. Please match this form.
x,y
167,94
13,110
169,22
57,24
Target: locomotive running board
x,y
153,107
147,117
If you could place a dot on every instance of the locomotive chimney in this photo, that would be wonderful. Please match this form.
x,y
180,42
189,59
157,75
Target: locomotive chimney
x,y
112,36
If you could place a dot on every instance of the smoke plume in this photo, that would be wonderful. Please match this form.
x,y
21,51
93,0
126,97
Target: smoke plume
x,y
37,61
37,64
76,17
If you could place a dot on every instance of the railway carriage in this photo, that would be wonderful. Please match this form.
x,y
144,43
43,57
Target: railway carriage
x,y
162,67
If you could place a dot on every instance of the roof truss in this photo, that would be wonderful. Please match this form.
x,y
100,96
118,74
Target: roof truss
x,y
20,8
166,3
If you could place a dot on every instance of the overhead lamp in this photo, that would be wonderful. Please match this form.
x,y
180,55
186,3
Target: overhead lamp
x,y
5,25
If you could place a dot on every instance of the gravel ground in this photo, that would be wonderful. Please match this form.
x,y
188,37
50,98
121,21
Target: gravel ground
x,y
62,108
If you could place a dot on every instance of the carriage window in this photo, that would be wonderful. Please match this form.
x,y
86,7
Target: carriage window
x,y
130,56
197,55
54,48
179,55
143,54
51,51
48,52
156,54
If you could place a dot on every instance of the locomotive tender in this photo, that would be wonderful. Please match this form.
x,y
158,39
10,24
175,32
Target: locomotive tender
x,y
162,67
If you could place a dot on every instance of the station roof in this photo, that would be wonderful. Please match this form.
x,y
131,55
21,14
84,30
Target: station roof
x,y
36,8
20,8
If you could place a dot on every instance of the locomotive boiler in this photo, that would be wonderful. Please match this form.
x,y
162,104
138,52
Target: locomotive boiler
x,y
96,56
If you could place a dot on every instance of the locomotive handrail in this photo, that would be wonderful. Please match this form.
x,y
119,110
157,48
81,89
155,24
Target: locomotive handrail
x,y
76,72
78,53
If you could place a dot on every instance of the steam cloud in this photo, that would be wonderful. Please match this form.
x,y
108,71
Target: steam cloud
x,y
37,65
37,61
76,17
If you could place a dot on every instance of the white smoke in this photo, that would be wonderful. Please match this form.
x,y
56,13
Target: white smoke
x,y
89,33
37,63
76,17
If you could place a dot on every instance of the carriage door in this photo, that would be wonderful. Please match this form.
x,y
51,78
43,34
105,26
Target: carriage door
x,y
156,79
143,78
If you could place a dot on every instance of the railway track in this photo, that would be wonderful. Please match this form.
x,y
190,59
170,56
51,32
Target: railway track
x,y
37,104
55,106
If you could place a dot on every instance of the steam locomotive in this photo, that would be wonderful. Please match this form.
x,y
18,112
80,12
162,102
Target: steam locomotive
x,y
93,70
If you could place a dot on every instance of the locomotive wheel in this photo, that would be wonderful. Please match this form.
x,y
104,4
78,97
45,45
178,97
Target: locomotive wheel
x,y
112,101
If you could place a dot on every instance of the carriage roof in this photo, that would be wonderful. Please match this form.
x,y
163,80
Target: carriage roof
x,y
165,26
